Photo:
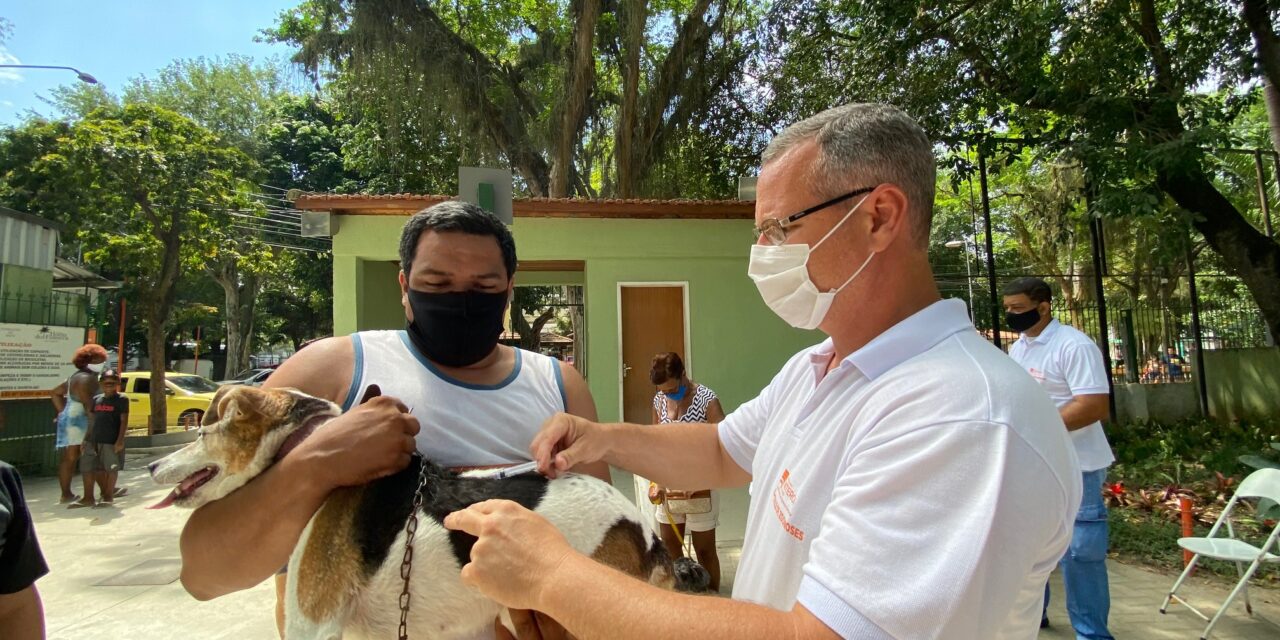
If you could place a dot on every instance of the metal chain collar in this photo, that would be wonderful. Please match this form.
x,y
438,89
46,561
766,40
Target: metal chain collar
x,y
406,566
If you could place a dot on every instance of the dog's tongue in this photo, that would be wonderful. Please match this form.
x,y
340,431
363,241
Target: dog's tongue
x,y
168,500
185,487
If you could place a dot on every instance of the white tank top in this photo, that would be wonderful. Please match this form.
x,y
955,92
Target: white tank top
x,y
463,424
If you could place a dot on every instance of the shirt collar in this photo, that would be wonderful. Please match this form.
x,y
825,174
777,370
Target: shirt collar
x,y
901,342
1049,330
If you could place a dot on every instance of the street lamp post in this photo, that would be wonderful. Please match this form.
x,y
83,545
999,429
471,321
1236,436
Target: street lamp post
x,y
84,77
964,244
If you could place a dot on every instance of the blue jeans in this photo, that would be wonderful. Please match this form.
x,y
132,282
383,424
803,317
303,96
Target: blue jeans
x,y
1084,568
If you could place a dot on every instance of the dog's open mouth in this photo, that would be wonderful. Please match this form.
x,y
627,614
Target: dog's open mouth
x,y
187,487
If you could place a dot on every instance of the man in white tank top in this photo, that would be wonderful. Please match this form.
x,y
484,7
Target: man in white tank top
x,y
449,390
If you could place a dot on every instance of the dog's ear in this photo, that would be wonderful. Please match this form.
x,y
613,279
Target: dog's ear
x,y
212,415
371,392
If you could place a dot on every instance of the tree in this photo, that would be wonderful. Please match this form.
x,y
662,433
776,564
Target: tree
x,y
527,301
1135,91
521,84
235,99
298,305
149,186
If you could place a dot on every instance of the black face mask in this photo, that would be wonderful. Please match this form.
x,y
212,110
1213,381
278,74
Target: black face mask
x,y
456,329
1020,322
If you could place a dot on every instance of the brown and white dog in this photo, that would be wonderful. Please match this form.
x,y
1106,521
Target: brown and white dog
x,y
344,575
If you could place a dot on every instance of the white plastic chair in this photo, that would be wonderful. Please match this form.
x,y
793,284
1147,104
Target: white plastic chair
x,y
1263,483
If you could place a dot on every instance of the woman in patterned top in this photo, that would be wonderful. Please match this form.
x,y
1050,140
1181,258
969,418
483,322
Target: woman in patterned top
x,y
680,399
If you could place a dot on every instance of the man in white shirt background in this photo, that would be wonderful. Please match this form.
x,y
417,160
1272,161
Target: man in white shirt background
x,y
910,481
1069,366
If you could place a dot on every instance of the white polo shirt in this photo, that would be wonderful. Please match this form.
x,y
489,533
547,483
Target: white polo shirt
x,y
1067,363
925,488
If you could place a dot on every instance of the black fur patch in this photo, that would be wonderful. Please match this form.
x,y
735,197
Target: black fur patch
x,y
383,511
385,508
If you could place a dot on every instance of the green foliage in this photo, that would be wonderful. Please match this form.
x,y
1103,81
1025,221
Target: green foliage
x,y
148,188
1151,453
1134,92
425,85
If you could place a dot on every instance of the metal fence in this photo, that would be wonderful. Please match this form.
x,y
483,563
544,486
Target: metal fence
x,y
56,308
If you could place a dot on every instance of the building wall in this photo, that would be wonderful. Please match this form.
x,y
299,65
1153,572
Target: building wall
x,y
1243,383
736,343
27,244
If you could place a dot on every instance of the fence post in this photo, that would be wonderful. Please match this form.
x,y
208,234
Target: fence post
x,y
991,255
1195,331
1130,346
1099,271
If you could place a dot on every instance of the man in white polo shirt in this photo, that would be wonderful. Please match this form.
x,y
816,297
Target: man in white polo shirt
x,y
910,481
1069,367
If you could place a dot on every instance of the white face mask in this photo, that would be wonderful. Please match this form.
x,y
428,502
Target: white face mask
x,y
97,368
781,273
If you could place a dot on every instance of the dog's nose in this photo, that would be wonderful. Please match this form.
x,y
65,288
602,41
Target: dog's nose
x,y
152,467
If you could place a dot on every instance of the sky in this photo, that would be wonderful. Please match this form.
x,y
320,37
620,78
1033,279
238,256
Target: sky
x,y
118,40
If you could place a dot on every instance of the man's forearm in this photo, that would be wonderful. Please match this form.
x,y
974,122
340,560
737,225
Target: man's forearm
x,y
621,607
239,541
680,456
1084,411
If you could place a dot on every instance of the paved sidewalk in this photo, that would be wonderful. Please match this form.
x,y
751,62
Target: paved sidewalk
x,y
113,574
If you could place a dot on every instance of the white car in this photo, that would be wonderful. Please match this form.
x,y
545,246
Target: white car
x,y
252,377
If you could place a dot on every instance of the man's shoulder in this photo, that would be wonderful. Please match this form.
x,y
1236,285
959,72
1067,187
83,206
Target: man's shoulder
x,y
1068,336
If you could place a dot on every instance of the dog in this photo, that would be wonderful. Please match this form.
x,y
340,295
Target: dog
x,y
344,575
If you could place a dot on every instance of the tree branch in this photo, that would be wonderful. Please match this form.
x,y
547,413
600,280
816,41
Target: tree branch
x,y
1149,30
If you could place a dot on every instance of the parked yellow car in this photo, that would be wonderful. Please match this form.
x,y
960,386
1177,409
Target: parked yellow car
x,y
189,397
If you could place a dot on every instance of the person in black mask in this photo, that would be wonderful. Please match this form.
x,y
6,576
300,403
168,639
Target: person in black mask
x,y
474,402
1068,365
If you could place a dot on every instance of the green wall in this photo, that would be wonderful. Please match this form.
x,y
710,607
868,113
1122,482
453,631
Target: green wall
x,y
736,343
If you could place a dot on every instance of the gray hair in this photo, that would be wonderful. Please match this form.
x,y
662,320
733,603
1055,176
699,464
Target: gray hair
x,y
862,145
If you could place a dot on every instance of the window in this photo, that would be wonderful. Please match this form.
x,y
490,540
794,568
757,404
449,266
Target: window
x,y
142,385
193,384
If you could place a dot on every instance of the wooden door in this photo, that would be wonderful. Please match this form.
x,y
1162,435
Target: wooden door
x,y
652,322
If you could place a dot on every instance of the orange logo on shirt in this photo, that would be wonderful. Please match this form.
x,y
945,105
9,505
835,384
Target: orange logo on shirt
x,y
784,500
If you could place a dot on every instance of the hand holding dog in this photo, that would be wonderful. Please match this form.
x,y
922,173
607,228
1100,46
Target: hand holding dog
x,y
565,441
516,553
372,440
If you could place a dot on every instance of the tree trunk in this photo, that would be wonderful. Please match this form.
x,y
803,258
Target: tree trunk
x,y
579,85
1257,15
530,334
248,295
577,324
633,15
1249,254
156,343
240,293
231,296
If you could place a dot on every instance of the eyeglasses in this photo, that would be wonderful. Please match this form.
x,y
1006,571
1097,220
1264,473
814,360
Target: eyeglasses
x,y
775,229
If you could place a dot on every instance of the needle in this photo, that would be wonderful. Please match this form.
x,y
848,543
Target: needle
x,y
514,470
